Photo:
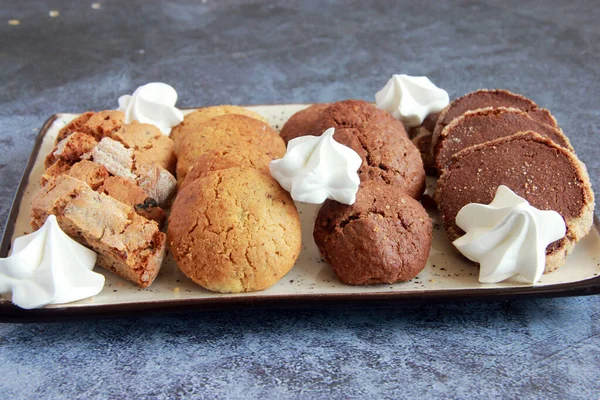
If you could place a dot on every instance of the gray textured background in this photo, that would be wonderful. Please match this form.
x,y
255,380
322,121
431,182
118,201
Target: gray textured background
x,y
276,52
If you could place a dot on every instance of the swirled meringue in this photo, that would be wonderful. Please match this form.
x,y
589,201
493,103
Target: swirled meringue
x,y
508,237
411,99
153,103
48,267
316,168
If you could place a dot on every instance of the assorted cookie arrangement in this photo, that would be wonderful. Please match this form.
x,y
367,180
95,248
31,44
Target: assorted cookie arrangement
x,y
510,190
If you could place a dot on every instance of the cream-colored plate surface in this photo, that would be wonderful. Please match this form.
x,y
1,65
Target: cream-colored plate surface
x,y
311,276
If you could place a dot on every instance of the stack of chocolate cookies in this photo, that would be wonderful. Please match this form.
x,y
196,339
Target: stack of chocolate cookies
x,y
385,236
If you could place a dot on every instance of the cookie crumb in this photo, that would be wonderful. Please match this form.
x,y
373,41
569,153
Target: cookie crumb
x,y
14,22
54,13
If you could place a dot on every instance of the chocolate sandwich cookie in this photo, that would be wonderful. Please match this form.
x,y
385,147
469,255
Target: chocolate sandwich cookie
x,y
303,122
484,98
548,176
384,237
483,125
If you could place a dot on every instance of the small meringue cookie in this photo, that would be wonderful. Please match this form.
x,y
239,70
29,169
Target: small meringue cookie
x,y
153,103
316,168
508,237
411,99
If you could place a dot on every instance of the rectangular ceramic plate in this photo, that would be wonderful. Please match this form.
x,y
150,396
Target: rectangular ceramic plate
x,y
446,277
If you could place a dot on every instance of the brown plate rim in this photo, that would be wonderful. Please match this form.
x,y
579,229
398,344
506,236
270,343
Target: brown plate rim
x,y
11,313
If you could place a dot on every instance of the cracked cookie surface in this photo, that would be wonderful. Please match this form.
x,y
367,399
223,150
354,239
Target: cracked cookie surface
x,y
384,237
234,230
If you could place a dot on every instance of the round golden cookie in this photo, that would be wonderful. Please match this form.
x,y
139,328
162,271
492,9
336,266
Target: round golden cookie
x,y
234,230
227,157
228,130
193,121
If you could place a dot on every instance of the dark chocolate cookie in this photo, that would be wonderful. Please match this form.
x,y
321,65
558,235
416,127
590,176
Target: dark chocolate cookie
x,y
384,237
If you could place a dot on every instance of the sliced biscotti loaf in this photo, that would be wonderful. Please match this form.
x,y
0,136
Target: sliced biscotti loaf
x,y
71,148
485,124
548,176
127,244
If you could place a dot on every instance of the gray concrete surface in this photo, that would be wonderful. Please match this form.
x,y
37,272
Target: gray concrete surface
x,y
284,51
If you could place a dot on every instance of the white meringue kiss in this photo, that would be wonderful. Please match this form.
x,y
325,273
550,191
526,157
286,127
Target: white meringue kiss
x,y
48,267
508,237
153,103
411,99
316,168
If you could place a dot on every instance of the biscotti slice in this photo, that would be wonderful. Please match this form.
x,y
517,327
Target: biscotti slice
x,y
148,143
548,176
128,192
193,121
97,124
71,148
127,244
488,98
120,161
58,168
93,174
479,126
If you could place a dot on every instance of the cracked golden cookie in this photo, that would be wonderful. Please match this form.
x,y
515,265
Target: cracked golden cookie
x,y
303,122
234,230
384,237
194,120
227,157
224,131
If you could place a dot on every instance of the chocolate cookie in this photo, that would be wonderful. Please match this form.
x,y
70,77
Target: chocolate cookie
x,y
548,176
489,98
227,157
224,131
234,230
303,122
384,237
194,120
360,115
386,157
485,124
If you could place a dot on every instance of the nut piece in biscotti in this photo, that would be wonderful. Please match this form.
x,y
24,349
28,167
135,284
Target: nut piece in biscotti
x,y
129,193
71,148
194,120
488,98
303,122
94,175
127,244
227,157
548,176
234,230
148,143
384,237
486,124
97,124
228,130
360,115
